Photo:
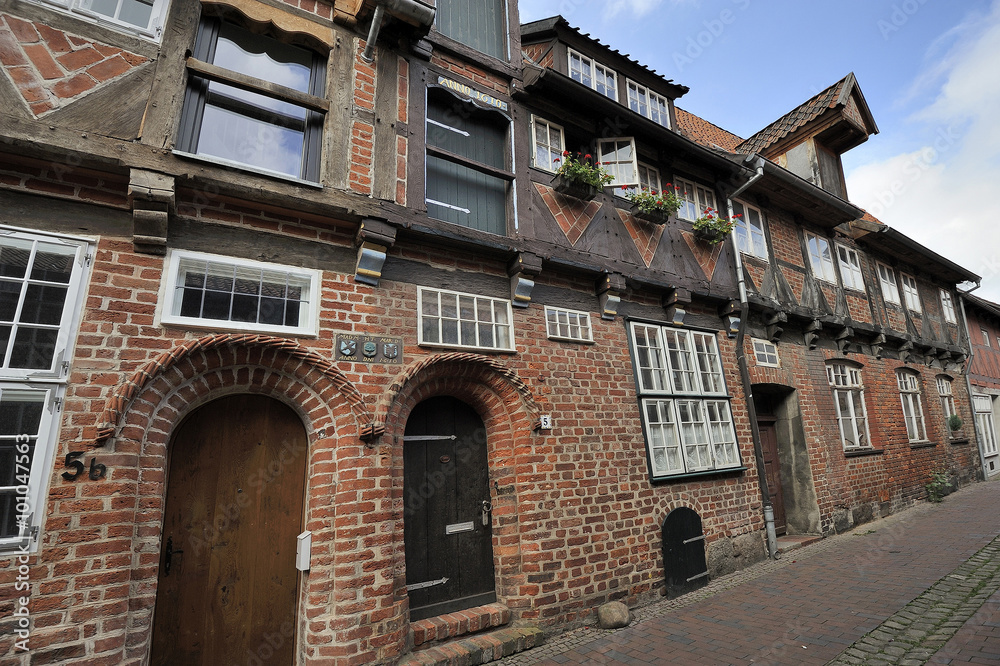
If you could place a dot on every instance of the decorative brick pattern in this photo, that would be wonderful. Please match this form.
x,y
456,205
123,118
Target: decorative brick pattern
x,y
705,254
51,68
645,235
572,215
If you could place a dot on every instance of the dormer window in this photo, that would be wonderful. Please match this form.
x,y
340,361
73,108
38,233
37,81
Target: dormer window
x,y
593,74
647,103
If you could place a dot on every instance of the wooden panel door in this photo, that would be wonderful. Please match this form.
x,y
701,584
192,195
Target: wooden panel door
x,y
228,586
772,467
449,549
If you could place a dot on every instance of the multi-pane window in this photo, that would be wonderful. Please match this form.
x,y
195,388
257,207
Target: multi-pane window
x,y
986,336
468,166
573,325
649,177
948,307
142,16
694,199
549,142
619,159
850,268
947,398
480,25
849,400
887,280
749,229
765,352
820,257
982,405
41,287
276,129
685,408
455,319
647,103
913,414
911,295
593,74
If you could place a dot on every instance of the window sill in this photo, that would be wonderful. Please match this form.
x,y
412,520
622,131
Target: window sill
x,y
218,161
696,475
221,326
922,445
861,453
467,348
958,441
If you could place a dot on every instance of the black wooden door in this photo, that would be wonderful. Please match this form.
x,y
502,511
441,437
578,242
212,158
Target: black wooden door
x,y
772,469
449,549
684,565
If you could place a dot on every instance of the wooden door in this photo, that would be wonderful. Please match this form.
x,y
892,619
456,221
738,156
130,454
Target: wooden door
x,y
234,508
772,467
684,564
449,549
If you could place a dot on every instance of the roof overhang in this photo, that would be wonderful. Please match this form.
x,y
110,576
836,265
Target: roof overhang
x,y
796,194
887,240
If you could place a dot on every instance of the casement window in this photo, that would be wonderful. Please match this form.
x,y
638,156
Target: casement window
x,y
766,352
481,25
469,173
685,409
211,291
570,325
593,74
468,321
42,280
913,414
549,142
749,229
948,307
849,400
649,179
911,295
820,258
982,406
850,268
887,280
229,118
694,199
986,337
619,159
947,398
144,17
647,103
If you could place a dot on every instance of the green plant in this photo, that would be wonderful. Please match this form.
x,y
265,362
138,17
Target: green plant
x,y
938,486
583,170
666,201
713,225
954,422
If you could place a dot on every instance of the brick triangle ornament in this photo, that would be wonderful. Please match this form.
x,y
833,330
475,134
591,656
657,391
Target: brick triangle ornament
x,y
51,68
645,235
572,215
705,254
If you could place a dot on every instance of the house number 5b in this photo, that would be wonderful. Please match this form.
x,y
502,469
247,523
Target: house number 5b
x,y
97,470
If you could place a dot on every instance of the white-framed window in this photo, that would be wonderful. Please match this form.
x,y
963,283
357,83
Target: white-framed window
x,y
143,17
685,409
571,325
913,413
461,320
986,337
42,280
982,405
948,307
212,291
911,294
947,398
887,280
619,158
549,141
749,229
766,352
850,268
649,177
593,74
694,199
820,258
849,400
647,103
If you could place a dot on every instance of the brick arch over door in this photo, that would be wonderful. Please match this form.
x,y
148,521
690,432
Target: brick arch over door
x,y
195,378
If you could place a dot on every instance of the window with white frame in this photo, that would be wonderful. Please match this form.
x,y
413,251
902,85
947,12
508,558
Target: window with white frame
x,y
571,325
685,408
982,405
911,295
647,103
619,159
593,74
766,352
887,280
820,258
548,139
41,292
986,336
469,321
948,307
144,17
749,229
850,268
212,291
947,398
649,177
849,400
694,199
913,413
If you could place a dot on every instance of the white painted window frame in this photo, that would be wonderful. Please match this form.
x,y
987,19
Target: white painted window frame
x,y
913,413
764,351
846,381
561,322
887,282
499,308
79,8
750,237
550,126
948,307
986,337
644,95
695,198
822,266
911,292
592,68
851,274
612,165
982,406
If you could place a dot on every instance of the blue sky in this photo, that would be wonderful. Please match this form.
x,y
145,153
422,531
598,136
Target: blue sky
x,y
929,69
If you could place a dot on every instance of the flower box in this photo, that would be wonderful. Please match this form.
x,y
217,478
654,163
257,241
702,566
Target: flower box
x,y
573,188
654,216
709,235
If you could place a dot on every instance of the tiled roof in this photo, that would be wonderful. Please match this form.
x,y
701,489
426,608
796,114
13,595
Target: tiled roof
x,y
701,131
799,116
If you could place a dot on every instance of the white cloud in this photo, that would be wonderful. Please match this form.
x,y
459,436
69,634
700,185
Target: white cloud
x,y
637,7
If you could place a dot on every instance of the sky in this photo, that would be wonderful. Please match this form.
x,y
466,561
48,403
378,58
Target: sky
x,y
929,70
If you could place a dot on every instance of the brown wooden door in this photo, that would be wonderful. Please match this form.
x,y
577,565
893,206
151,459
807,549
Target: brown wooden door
x,y
234,508
449,549
772,467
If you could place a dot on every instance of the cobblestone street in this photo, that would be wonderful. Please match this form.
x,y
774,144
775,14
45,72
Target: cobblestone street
x,y
918,587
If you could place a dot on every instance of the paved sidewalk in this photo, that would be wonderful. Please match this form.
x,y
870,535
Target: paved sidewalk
x,y
904,590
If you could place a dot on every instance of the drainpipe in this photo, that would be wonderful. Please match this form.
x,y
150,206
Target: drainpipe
x,y
741,360
968,382
409,10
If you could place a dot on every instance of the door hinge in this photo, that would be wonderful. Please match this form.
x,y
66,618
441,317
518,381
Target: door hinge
x,y
426,583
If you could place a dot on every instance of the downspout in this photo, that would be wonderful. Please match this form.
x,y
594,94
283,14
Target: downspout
x,y
409,10
968,382
741,361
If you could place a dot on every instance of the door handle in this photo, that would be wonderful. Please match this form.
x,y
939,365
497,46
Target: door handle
x,y
168,555
487,512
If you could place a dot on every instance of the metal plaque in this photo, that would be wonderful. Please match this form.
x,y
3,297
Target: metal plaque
x,y
369,349
456,528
